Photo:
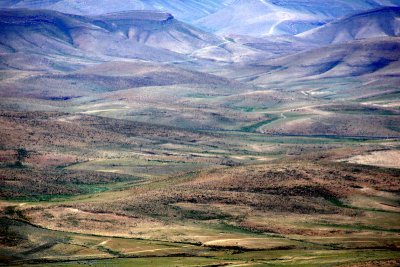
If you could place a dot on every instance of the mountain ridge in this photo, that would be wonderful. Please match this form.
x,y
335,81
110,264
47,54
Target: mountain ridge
x,y
351,59
266,16
369,24
145,35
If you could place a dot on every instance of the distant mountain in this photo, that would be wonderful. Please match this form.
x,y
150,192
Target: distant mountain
x,y
146,35
156,29
356,58
259,17
333,8
246,17
187,10
369,24
263,17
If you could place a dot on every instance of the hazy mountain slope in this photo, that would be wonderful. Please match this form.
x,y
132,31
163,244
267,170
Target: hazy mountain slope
x,y
263,17
254,17
334,8
339,60
376,23
148,35
183,9
32,30
158,30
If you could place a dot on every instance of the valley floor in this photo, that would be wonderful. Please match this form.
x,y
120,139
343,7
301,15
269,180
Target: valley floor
x,y
304,183
225,199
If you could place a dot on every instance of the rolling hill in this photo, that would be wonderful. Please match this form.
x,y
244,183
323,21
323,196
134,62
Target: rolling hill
x,y
356,58
106,77
369,24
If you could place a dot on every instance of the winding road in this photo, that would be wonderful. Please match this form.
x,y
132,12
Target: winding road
x,y
191,55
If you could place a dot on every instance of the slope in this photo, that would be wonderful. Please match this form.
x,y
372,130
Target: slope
x,y
262,17
146,35
356,58
187,10
255,17
375,23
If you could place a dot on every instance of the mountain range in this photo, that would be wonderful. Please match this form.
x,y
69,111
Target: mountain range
x,y
187,10
59,41
249,17
145,35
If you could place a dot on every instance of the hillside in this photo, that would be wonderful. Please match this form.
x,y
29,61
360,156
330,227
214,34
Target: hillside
x,y
351,59
257,18
253,17
106,77
183,9
376,23
262,17
135,34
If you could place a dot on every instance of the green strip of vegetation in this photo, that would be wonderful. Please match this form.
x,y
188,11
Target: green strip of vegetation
x,y
86,189
252,128
358,227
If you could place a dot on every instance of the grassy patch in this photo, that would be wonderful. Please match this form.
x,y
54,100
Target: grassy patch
x,y
252,128
199,95
359,227
150,261
312,258
86,189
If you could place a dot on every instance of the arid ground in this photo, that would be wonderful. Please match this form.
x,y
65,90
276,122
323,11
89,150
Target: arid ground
x,y
134,139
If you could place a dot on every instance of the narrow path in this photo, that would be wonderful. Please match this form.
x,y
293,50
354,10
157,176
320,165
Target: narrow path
x,y
154,250
243,264
281,16
286,17
191,55
211,46
269,5
104,242
231,239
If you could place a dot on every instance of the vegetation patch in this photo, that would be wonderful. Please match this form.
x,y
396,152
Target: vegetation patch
x,y
252,128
